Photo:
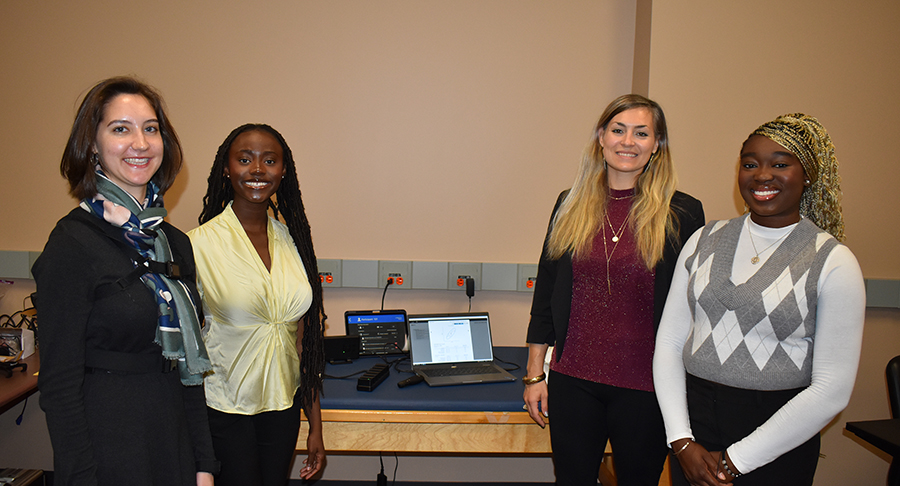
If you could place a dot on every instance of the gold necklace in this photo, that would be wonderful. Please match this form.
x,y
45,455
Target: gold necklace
x,y
755,260
609,254
621,198
616,234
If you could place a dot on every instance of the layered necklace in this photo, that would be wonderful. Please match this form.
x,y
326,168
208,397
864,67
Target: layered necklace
x,y
616,236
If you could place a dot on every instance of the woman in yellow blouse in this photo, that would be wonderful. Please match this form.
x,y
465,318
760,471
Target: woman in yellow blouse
x,y
262,301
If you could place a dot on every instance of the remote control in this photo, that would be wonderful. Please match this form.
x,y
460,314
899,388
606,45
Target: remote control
x,y
412,380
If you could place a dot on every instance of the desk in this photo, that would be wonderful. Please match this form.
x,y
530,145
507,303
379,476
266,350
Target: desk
x,y
20,385
464,419
885,435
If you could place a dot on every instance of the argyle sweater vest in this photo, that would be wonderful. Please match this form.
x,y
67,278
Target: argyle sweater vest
x,y
759,335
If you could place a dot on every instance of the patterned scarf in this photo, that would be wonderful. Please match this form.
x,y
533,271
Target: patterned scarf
x,y
178,332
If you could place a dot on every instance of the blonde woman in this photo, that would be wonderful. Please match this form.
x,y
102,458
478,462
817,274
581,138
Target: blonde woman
x,y
602,280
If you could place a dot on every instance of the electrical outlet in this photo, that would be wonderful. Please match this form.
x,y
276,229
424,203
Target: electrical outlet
x,y
527,277
329,272
458,272
401,272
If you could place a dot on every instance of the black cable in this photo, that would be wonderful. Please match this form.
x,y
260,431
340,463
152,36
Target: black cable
x,y
515,365
396,465
343,377
381,479
396,364
10,320
390,281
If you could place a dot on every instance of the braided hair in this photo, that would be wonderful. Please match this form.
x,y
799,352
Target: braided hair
x,y
289,204
806,138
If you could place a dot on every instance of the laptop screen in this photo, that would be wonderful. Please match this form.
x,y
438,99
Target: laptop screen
x,y
450,338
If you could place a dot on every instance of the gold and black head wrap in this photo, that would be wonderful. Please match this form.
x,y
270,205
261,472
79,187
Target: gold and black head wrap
x,y
806,138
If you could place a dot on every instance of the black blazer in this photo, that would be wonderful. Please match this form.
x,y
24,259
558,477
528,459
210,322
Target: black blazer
x,y
552,301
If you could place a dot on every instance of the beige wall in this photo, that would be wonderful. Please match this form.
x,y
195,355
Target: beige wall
x,y
723,68
416,122
424,130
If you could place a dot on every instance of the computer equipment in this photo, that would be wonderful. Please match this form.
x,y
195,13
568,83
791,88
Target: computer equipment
x,y
454,349
380,331
341,349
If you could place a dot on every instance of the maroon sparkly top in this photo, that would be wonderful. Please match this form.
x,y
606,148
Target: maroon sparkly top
x,y
610,337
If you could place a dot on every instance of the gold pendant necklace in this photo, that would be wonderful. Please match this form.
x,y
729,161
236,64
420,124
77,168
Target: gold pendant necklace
x,y
608,253
616,234
754,260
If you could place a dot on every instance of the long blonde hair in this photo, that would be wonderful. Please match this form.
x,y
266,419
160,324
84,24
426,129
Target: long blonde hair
x,y
584,208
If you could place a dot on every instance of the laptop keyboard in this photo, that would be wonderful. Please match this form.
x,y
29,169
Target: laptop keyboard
x,y
467,370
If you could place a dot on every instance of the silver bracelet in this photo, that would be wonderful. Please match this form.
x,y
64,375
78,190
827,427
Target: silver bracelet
x,y
728,469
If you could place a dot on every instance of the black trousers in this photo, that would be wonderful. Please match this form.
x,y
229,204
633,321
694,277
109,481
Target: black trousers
x,y
584,415
255,450
722,415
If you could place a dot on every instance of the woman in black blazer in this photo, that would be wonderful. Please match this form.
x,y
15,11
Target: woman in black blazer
x,y
602,280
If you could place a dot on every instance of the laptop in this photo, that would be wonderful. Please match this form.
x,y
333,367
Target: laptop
x,y
454,349
380,331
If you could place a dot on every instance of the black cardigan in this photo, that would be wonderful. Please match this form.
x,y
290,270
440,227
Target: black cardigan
x,y
552,301
95,419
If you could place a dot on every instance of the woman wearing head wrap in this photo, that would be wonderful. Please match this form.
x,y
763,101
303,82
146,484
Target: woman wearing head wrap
x,y
760,339
602,280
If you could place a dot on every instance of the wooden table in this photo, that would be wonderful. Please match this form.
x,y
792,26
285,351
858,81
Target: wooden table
x,y
20,385
485,419
370,431
465,419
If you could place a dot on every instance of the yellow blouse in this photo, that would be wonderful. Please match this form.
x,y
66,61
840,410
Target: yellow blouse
x,y
251,315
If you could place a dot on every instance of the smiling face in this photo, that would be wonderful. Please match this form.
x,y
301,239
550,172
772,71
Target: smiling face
x,y
628,142
255,167
771,180
129,143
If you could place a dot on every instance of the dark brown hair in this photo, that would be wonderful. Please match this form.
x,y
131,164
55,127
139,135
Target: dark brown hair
x,y
77,164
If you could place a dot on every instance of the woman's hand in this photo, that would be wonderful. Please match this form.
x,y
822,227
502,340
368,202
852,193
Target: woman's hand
x,y
204,479
701,467
536,402
535,395
316,458
315,446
